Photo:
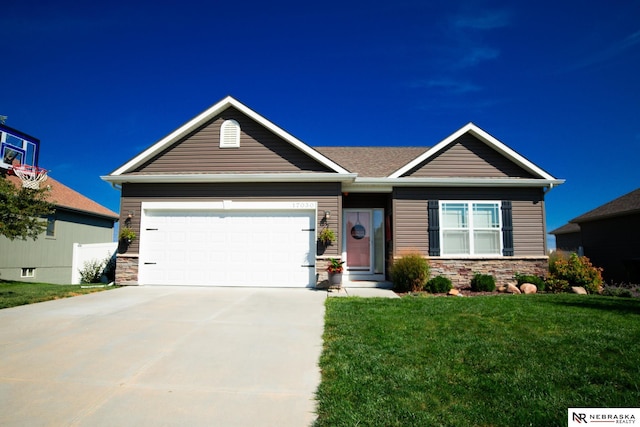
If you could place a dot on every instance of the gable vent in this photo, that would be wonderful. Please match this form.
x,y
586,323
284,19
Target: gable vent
x,y
230,134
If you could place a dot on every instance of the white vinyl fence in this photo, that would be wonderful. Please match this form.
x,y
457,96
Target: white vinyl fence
x,y
89,252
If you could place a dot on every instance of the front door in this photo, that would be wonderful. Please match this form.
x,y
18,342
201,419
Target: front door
x,y
363,231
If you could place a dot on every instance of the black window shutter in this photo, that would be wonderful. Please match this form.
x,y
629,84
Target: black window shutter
x,y
507,228
434,228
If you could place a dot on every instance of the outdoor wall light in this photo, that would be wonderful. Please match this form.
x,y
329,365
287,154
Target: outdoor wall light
x,y
327,215
127,221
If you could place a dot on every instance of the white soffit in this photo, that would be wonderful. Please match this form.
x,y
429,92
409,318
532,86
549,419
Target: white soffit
x,y
205,116
484,137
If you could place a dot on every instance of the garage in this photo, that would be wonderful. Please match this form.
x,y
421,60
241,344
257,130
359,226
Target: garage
x,y
228,244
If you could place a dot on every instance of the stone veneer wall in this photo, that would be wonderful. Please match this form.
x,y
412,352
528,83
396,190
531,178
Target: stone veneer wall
x,y
461,271
127,269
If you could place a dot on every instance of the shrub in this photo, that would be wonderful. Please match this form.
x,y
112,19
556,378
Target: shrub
x,y
438,285
557,285
483,283
613,291
91,271
410,273
530,278
577,271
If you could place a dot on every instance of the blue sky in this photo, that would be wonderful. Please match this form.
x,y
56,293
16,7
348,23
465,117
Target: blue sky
x,y
556,81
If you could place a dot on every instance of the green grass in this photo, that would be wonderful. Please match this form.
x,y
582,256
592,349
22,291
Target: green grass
x,y
481,361
20,293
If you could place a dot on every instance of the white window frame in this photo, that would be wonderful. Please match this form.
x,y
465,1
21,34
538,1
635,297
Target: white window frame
x,y
471,228
230,134
28,272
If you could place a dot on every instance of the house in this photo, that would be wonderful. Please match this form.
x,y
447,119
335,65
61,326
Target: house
x,y
231,199
48,259
608,235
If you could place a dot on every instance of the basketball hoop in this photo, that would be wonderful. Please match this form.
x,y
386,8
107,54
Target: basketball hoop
x,y
31,176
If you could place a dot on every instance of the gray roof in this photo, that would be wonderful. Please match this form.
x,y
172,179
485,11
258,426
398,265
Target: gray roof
x,y
624,205
566,229
372,161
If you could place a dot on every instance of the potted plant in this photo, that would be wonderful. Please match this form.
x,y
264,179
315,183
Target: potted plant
x,y
335,269
127,235
326,236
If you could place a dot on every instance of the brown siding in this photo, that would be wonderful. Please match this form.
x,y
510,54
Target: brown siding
x,y
410,216
469,157
528,228
260,151
410,225
327,196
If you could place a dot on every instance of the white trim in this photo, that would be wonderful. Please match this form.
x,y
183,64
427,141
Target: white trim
x,y
228,177
372,183
484,137
27,272
296,205
207,115
470,229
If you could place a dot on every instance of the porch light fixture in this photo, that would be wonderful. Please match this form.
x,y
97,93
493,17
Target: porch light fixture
x,y
127,221
327,215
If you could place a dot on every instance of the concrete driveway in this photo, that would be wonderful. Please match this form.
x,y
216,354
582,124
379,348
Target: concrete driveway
x,y
163,356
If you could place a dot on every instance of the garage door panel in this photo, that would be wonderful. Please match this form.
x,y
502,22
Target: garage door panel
x,y
228,248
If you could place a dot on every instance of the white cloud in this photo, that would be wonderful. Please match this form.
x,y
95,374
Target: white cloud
x,y
614,50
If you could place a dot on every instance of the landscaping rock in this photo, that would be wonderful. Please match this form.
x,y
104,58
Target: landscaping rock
x,y
578,290
528,288
513,289
501,288
453,292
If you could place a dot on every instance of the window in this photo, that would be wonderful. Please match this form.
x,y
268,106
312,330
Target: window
x,y
28,272
230,134
51,226
470,228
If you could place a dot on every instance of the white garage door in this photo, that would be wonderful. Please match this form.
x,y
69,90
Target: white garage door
x,y
230,248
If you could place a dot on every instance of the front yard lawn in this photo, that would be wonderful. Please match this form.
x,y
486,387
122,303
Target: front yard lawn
x,y
20,293
482,361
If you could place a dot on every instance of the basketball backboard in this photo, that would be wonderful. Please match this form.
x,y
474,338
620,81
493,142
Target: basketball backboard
x,y
17,148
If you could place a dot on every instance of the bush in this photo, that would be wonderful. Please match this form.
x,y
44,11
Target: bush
x,y
410,273
557,285
577,271
439,285
91,271
530,278
483,283
613,291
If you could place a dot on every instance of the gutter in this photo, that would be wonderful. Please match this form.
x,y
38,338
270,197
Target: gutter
x,y
211,178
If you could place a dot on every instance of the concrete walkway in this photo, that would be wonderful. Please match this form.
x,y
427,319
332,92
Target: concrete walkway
x,y
163,356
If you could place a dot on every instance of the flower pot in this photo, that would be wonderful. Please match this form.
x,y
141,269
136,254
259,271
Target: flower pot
x,y
335,279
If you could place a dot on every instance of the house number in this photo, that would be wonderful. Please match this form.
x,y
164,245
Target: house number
x,y
304,205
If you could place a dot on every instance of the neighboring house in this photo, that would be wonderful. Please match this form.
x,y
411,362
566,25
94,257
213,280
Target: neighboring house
x,y
608,235
231,199
48,259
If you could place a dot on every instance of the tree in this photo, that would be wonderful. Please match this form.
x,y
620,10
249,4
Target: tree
x,y
22,211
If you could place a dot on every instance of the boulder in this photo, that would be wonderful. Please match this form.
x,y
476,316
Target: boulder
x,y
501,288
453,292
578,290
513,289
528,288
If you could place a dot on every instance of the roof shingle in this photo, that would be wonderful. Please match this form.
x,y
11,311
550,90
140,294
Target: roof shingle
x,y
624,205
64,197
371,162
